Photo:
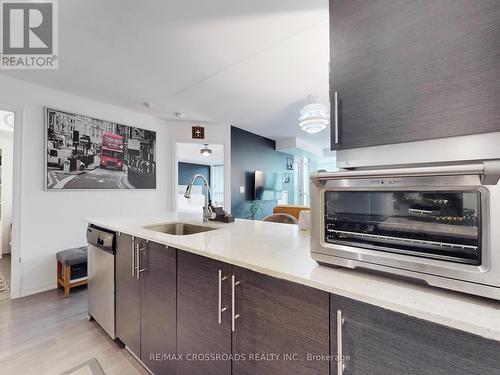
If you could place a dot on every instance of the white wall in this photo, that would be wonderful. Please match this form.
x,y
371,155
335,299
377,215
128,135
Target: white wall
x,y
53,220
6,145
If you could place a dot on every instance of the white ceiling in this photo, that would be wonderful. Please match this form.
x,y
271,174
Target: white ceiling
x,y
191,153
250,64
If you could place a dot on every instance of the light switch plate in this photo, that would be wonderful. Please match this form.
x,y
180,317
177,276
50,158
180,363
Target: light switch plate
x,y
242,190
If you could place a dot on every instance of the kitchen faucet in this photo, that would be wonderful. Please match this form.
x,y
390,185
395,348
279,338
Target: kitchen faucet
x,y
207,209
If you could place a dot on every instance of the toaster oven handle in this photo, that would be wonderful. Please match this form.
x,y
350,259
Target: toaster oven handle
x,y
480,169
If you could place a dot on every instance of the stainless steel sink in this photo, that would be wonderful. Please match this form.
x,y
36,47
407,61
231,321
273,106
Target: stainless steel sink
x,y
179,229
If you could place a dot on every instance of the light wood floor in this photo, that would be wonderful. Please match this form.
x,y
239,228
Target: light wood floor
x,y
47,334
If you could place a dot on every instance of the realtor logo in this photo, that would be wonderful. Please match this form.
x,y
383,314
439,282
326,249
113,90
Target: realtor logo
x,y
28,34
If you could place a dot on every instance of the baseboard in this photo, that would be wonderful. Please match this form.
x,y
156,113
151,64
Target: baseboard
x,y
38,289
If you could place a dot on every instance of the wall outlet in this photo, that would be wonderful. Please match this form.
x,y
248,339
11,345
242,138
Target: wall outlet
x,y
242,190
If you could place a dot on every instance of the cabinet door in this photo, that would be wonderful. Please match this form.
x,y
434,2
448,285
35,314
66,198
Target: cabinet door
x,y
128,300
414,70
198,328
281,318
158,307
383,342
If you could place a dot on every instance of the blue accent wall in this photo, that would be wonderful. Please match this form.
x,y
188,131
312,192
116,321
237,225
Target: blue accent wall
x,y
251,152
187,170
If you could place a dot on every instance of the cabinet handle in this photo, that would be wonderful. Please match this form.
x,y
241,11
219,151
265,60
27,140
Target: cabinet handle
x,y
133,257
234,316
138,255
220,309
336,117
137,259
340,354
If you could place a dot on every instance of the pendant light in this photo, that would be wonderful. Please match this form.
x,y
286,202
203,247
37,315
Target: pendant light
x,y
314,116
205,151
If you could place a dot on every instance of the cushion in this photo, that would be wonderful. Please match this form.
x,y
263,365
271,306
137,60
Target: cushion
x,y
281,218
70,257
290,209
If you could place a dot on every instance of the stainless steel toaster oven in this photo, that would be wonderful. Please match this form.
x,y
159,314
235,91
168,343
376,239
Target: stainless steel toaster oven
x,y
439,224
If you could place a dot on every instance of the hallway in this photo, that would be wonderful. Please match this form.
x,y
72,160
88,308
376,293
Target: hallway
x,y
5,277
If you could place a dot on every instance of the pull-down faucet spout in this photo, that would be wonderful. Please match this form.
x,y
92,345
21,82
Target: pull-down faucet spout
x,y
207,209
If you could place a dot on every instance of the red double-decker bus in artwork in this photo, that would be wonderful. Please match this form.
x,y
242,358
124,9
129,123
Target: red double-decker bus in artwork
x,y
112,151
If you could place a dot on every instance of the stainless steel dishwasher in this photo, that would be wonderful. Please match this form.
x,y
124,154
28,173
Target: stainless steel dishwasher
x,y
101,277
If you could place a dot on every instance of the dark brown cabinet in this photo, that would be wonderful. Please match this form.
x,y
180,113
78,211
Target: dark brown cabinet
x,y
158,307
271,316
413,70
187,314
128,295
376,341
199,329
146,301
288,320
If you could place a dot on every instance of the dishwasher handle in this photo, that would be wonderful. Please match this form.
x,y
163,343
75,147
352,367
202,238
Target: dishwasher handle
x,y
101,239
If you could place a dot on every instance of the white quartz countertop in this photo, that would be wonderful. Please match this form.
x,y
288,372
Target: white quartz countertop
x,y
282,251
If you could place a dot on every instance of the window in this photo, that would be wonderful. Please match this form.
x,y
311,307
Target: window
x,y
217,182
302,170
303,166
112,154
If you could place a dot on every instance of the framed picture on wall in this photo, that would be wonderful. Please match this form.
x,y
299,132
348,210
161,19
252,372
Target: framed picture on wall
x,y
85,153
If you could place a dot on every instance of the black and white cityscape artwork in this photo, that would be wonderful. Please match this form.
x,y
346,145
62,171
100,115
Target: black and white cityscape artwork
x,y
87,153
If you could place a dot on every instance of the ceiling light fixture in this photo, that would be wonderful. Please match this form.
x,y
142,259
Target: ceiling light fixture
x,y
314,116
205,151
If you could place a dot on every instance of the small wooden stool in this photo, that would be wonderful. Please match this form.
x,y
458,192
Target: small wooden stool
x,y
71,261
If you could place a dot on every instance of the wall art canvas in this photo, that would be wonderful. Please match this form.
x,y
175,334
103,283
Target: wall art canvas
x,y
85,153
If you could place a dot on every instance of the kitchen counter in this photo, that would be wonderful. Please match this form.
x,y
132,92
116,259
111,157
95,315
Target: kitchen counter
x,y
282,251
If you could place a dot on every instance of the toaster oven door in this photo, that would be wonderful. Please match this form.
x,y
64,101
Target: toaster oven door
x,y
439,224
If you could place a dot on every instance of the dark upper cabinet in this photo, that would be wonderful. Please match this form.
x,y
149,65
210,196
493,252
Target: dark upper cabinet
x,y
199,329
280,317
158,307
413,70
376,341
128,301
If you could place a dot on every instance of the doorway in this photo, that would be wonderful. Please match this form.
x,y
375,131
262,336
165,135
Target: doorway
x,y
7,122
197,158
